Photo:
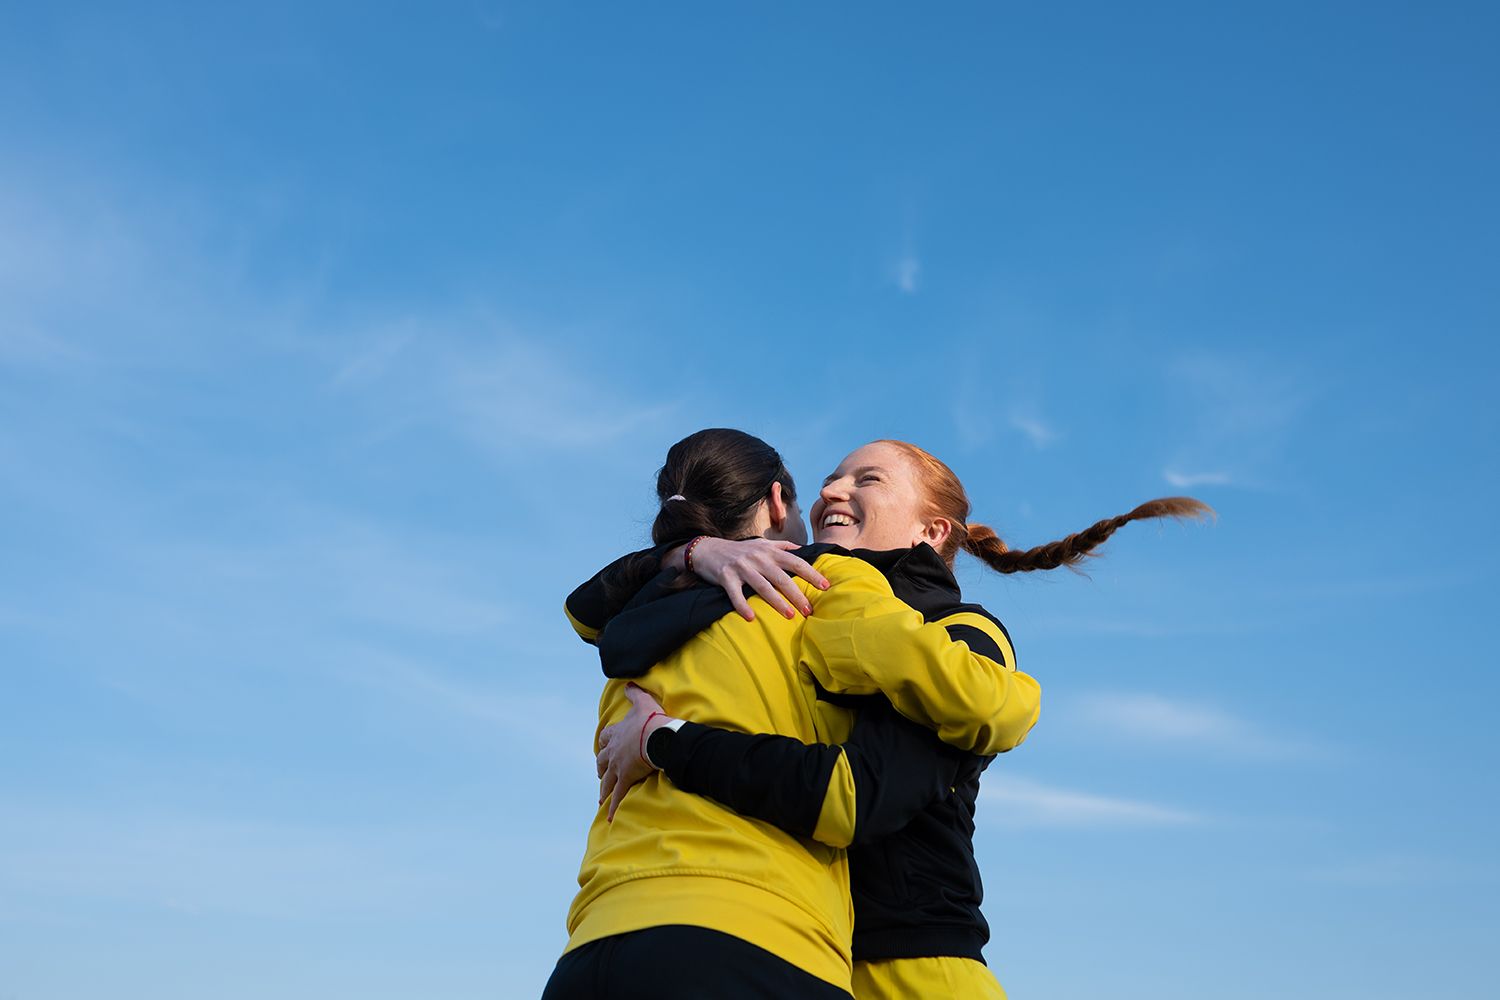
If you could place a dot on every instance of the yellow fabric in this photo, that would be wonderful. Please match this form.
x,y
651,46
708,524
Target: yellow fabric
x,y
835,825
585,632
862,639
923,978
671,857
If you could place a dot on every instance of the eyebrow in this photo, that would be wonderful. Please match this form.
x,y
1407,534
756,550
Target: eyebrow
x,y
855,473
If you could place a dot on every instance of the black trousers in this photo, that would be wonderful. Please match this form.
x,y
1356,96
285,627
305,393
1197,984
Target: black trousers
x,y
681,963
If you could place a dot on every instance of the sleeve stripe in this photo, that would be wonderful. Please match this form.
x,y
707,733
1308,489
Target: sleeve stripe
x,y
990,641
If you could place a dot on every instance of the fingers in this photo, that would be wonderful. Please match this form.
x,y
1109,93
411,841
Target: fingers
x,y
767,591
607,785
643,700
789,587
599,765
614,800
801,567
736,592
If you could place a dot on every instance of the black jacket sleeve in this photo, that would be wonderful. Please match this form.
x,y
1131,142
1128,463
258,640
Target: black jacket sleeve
x,y
898,769
593,603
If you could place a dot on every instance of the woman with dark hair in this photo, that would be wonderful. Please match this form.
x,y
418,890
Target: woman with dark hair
x,y
680,896
916,888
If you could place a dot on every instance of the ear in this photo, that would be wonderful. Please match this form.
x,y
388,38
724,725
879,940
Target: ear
x,y
776,507
937,531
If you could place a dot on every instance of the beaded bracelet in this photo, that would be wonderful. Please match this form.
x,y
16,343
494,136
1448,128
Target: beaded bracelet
x,y
687,553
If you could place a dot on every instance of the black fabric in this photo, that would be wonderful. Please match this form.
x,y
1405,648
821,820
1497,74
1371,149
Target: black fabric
x,y
900,769
595,601
732,768
677,962
917,892
977,640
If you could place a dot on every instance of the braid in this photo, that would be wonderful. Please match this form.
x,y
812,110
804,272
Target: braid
x,y
983,543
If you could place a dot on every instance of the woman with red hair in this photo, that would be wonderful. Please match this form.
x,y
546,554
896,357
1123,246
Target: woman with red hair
x,y
916,888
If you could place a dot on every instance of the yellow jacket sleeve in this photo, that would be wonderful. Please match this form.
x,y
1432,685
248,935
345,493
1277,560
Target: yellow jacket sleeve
x,y
861,639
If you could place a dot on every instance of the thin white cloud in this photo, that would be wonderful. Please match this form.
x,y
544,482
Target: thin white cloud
x,y
371,360
1187,480
1152,719
552,731
501,390
1017,802
1239,414
521,396
1040,433
977,419
907,273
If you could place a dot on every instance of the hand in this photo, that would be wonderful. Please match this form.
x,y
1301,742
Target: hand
x,y
766,565
621,759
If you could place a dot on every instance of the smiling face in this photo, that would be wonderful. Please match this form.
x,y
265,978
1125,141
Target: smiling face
x,y
874,500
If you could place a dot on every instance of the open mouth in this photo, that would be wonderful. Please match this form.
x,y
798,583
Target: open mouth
x,y
838,521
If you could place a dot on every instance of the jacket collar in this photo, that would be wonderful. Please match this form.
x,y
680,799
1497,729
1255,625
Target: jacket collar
x,y
664,615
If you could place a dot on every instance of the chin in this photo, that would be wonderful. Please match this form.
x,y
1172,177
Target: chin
x,y
841,535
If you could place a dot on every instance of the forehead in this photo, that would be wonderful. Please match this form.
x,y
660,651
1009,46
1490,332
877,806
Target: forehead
x,y
874,456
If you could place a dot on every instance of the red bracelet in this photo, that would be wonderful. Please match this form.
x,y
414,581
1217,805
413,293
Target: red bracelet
x,y
642,749
687,553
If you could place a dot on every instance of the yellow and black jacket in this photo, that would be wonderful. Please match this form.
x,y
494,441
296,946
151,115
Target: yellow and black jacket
x,y
893,790
673,857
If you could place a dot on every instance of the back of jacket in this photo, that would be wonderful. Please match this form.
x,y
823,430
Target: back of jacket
x,y
670,857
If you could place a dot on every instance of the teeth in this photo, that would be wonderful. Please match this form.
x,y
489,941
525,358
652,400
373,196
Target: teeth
x,y
837,519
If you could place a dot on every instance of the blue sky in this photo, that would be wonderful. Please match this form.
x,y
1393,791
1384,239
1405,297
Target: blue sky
x,y
338,341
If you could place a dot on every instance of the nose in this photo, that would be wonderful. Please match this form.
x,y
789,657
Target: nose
x,y
835,490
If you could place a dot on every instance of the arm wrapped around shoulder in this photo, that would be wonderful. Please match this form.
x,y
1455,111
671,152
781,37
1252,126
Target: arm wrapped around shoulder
x,y
861,639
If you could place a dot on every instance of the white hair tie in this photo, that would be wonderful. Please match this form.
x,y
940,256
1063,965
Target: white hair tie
x,y
675,496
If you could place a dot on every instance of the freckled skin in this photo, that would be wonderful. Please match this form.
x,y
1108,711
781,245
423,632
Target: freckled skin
x,y
877,485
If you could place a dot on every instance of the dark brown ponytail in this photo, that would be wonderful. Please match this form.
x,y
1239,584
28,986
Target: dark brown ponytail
x,y
946,498
709,485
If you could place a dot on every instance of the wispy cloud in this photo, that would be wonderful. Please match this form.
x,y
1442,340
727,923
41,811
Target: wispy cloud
x,y
1040,433
500,389
1016,802
550,730
1240,412
1187,480
978,419
1153,719
521,395
907,273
